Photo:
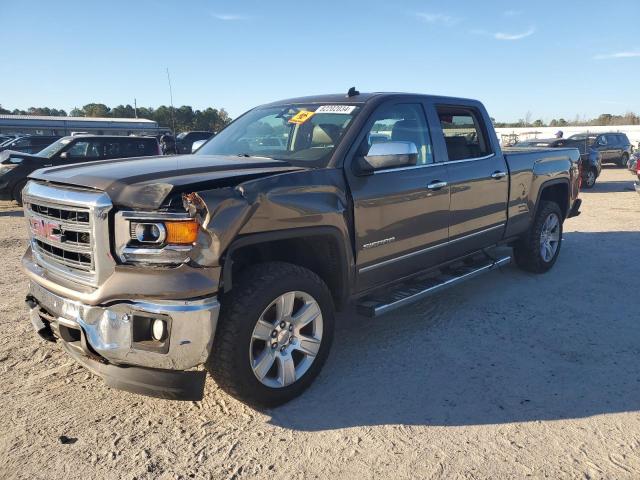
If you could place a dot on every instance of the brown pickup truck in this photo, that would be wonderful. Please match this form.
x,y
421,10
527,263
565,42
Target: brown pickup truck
x,y
235,258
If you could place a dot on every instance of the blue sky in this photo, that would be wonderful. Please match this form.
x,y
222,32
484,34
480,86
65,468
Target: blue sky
x,y
551,58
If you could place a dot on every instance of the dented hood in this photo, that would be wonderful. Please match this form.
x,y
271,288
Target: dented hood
x,y
145,182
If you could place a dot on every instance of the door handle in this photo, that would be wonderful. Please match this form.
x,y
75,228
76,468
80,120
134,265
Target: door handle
x,y
437,185
498,175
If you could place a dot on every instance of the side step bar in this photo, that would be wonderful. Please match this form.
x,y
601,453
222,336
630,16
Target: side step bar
x,y
417,289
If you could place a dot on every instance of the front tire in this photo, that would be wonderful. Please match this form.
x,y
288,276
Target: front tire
x,y
538,250
274,334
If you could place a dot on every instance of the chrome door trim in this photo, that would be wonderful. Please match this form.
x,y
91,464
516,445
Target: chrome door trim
x,y
425,250
434,164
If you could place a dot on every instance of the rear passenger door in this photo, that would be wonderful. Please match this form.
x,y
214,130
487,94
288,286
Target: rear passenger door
x,y
478,178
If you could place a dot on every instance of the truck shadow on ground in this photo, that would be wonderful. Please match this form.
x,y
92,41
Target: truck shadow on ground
x,y
506,347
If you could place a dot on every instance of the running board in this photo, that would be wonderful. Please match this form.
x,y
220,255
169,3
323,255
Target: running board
x,y
417,289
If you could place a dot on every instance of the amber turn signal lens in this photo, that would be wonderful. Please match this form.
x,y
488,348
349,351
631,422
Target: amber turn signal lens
x,y
181,233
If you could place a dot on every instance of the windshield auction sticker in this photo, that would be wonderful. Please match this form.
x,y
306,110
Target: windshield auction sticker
x,y
301,117
344,109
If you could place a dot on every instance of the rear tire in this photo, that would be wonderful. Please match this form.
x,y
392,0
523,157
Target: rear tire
x,y
538,250
243,360
623,160
590,177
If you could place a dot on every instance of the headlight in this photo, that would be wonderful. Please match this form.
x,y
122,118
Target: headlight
x,y
7,168
162,238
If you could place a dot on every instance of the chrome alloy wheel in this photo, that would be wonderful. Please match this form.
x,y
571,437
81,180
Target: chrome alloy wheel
x,y
286,339
591,178
550,237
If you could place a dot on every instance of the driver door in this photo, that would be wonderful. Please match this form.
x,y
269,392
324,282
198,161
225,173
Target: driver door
x,y
401,214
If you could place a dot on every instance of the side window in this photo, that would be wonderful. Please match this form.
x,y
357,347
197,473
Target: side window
x,y
112,148
85,149
602,140
23,142
464,133
402,123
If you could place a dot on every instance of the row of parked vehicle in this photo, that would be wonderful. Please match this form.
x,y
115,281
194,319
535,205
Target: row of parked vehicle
x,y
595,149
20,156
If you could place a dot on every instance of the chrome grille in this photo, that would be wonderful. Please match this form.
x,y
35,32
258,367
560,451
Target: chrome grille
x,y
69,231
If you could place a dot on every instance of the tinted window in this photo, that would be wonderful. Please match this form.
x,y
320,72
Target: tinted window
x,y
464,133
612,139
402,123
129,147
89,149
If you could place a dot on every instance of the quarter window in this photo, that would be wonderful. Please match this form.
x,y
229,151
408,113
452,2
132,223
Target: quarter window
x,y
402,123
463,132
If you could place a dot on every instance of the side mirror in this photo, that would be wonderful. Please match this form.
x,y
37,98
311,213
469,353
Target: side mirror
x,y
388,155
64,155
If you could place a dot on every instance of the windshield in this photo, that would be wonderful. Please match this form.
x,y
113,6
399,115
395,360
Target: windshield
x,y
582,136
303,134
54,148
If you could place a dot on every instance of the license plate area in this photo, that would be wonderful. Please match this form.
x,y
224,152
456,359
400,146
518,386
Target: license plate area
x,y
54,305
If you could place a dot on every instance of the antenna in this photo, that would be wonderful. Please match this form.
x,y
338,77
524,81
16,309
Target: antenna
x,y
173,120
352,92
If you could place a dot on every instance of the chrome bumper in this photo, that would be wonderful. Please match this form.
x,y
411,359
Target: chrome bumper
x,y
109,330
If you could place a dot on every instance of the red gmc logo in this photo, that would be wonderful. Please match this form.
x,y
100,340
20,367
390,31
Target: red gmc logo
x,y
45,229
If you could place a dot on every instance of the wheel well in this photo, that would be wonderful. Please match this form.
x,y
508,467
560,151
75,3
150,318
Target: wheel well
x,y
558,193
319,253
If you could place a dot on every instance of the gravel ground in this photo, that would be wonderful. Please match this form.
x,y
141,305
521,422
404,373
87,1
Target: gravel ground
x,y
510,375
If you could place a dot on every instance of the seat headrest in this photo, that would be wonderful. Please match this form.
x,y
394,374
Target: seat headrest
x,y
325,134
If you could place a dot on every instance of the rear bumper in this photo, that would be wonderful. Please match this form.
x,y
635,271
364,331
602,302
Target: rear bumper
x,y
114,341
575,209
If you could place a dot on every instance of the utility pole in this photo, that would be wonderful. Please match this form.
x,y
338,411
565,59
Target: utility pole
x,y
173,121
135,107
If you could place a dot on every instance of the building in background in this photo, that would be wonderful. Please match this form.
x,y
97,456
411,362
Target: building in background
x,y
42,125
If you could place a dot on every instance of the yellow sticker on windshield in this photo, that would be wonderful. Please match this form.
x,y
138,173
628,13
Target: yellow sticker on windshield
x,y
301,117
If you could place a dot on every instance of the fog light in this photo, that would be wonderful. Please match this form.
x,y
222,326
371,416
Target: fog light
x,y
158,329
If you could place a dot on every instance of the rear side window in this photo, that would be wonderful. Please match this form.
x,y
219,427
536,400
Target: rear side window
x,y
138,147
464,133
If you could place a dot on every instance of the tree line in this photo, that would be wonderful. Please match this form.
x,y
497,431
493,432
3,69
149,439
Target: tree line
x,y
212,119
605,119
184,118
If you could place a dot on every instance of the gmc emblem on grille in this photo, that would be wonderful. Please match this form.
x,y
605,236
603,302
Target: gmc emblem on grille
x,y
46,229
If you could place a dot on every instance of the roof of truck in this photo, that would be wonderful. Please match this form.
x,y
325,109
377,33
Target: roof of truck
x,y
359,98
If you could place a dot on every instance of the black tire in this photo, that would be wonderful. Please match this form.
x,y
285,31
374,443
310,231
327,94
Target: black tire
x,y
17,191
589,179
255,289
623,160
527,251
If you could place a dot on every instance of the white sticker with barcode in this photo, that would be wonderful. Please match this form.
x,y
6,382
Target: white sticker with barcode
x,y
345,109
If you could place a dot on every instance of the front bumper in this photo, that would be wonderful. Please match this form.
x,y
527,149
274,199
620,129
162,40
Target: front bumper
x,y
114,341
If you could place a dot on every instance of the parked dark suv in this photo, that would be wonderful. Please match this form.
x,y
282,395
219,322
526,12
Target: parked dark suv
x,y
185,140
29,143
16,166
590,157
615,147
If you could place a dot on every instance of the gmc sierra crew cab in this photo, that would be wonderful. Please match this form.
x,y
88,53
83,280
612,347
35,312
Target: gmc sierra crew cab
x,y
154,271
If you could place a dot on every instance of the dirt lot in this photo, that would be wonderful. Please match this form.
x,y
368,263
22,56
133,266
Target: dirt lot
x,y
510,375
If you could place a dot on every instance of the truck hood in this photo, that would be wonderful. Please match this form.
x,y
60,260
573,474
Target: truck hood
x,y
145,182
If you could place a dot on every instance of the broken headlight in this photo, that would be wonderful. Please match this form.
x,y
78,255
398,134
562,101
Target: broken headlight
x,y
155,237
